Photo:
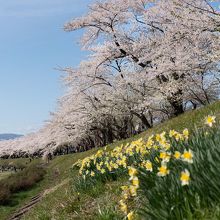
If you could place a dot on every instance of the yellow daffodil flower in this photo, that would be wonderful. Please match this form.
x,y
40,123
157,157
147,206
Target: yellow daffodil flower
x,y
102,171
135,181
163,171
187,156
148,166
172,133
177,155
123,207
161,137
186,133
132,172
185,177
165,156
210,120
126,192
178,136
130,216
133,190
165,145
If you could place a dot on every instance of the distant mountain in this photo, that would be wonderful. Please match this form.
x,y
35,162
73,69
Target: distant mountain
x,y
9,136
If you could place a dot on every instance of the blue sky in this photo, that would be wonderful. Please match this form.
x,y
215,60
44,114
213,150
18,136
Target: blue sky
x,y
32,45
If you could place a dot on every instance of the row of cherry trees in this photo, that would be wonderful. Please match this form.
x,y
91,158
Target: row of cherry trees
x,y
149,60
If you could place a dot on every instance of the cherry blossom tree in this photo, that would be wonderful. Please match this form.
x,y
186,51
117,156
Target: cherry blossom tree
x,y
149,60
169,40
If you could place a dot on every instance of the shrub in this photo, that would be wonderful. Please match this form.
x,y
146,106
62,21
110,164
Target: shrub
x,y
5,195
19,181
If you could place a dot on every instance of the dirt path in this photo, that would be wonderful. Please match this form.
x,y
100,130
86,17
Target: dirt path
x,y
53,189
35,200
19,213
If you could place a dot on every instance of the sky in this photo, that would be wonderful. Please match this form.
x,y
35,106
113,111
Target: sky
x,y
32,46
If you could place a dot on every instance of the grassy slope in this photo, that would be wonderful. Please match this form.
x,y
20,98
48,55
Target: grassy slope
x,y
62,203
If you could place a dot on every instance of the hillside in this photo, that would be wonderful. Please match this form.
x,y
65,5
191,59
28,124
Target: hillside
x,y
67,197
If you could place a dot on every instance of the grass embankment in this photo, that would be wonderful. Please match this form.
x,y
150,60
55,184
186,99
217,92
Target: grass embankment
x,y
62,200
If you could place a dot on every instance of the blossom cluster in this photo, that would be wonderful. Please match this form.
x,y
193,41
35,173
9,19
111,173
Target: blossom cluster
x,y
138,153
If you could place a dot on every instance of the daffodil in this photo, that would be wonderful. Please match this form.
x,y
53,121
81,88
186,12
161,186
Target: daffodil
x,y
130,216
133,190
115,166
99,154
210,120
135,181
178,136
177,155
109,168
132,172
125,195
165,156
102,171
126,192
123,207
186,133
138,142
161,137
172,133
163,171
148,166
98,167
124,187
150,142
187,156
185,177
165,145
